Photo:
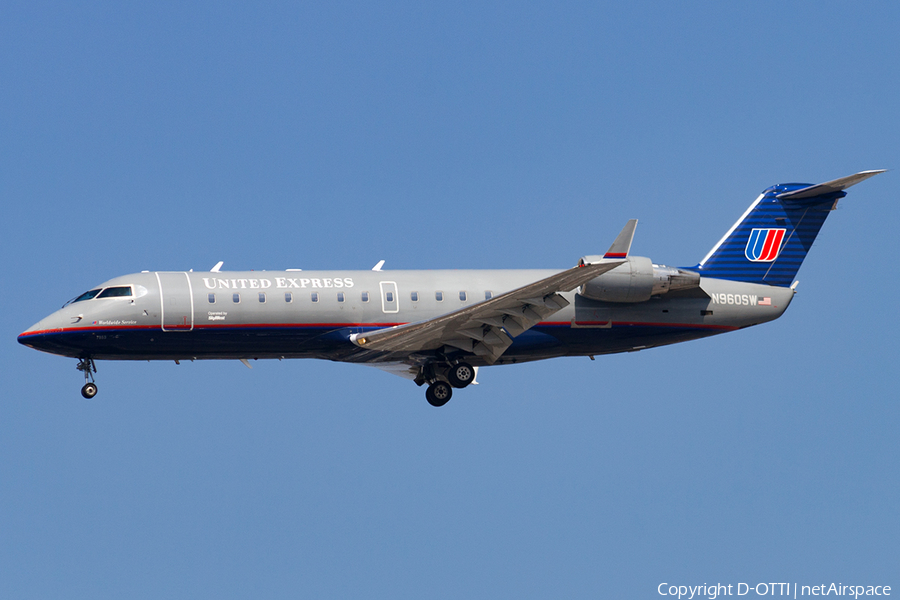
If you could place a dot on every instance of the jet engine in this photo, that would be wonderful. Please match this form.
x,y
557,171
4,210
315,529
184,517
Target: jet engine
x,y
636,280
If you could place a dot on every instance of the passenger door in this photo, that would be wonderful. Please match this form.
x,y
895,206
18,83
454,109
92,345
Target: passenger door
x,y
176,301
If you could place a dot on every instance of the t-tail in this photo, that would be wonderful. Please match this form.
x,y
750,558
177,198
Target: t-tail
x,y
769,242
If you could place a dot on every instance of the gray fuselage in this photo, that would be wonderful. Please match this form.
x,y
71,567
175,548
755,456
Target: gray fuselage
x,y
311,314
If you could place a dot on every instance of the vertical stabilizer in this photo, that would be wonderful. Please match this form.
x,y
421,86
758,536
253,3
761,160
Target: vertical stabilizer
x,y
769,242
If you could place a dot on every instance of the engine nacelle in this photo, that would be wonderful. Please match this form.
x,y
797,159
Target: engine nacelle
x,y
629,282
637,280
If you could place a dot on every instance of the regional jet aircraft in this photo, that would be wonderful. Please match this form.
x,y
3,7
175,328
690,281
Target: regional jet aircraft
x,y
438,327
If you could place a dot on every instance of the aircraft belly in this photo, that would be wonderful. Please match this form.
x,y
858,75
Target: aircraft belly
x,y
623,337
148,344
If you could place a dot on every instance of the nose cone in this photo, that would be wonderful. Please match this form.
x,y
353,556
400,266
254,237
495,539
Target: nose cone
x,y
40,335
39,327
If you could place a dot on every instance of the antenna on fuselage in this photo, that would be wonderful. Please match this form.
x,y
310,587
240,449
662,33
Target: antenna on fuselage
x,y
378,266
218,266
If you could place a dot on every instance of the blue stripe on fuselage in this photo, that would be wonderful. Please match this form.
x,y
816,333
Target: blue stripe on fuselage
x,y
328,341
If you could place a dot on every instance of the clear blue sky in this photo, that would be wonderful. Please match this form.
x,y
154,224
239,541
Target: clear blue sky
x,y
171,136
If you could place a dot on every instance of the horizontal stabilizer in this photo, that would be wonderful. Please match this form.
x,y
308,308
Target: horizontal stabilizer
x,y
829,187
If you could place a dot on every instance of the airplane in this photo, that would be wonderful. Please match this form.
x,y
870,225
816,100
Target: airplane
x,y
438,327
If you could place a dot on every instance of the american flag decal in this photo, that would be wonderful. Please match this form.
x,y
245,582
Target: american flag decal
x,y
763,245
766,301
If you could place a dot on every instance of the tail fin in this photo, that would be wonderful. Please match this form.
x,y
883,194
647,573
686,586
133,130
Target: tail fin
x,y
771,239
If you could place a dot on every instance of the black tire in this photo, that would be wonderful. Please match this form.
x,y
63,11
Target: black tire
x,y
89,390
438,393
461,375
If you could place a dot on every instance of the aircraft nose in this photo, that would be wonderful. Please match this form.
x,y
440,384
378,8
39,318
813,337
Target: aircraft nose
x,y
39,326
34,335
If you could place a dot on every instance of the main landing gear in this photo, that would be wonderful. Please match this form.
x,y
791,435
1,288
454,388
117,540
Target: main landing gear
x,y
438,393
88,367
458,375
461,374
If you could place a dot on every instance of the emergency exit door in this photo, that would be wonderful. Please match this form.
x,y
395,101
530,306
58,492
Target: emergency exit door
x,y
389,301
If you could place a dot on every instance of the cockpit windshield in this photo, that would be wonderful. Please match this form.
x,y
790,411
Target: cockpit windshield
x,y
85,296
116,292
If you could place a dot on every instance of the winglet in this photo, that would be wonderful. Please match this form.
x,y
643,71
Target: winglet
x,y
218,266
622,245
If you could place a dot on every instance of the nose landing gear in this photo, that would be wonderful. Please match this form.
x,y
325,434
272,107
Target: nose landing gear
x,y
88,367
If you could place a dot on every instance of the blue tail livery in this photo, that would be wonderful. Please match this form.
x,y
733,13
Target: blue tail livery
x,y
771,239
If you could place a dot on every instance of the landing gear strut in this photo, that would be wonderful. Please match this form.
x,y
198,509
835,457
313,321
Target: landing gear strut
x,y
87,366
438,393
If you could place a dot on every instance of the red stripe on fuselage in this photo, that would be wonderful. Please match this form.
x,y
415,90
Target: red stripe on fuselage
x,y
203,326
357,325
375,325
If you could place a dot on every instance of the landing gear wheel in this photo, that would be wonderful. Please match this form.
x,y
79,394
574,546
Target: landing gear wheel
x,y
87,366
438,393
461,375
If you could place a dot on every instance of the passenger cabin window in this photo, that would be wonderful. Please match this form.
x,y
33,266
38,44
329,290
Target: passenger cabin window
x,y
314,296
340,296
439,296
262,297
365,296
288,297
488,295
462,296
414,296
119,291
212,298
236,298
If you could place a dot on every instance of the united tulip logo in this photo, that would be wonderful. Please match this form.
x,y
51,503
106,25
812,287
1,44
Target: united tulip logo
x,y
764,245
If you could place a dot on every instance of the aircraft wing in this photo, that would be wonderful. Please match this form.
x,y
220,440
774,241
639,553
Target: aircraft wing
x,y
487,328
397,368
